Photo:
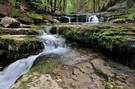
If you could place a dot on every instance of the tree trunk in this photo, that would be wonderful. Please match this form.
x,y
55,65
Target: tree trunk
x,y
94,6
55,3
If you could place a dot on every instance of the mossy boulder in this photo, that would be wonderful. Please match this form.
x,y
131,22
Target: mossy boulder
x,y
36,17
24,18
20,43
10,22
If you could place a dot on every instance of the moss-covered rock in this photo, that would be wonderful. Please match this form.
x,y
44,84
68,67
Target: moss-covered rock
x,y
118,20
24,18
16,31
20,43
35,16
115,41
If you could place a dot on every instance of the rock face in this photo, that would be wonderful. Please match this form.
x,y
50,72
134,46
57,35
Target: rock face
x,y
10,22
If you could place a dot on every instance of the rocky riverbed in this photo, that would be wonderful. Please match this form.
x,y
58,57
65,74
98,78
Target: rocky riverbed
x,y
88,70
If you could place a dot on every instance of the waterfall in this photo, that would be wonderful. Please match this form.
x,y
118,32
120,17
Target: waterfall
x,y
69,19
77,18
92,19
52,44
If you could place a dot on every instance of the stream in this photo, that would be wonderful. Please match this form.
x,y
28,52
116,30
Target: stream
x,y
77,63
52,44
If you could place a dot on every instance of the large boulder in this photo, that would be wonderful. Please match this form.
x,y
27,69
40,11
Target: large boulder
x,y
9,22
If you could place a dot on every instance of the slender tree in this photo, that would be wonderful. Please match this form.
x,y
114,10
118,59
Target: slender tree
x,y
94,6
55,3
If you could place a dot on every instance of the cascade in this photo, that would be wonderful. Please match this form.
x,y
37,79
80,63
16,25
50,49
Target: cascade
x,y
69,19
92,19
52,44
77,18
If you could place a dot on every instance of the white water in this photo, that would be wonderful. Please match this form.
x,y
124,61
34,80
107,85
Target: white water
x,y
92,19
52,43
69,19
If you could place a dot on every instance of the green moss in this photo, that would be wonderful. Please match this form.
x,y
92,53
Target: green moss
x,y
24,18
20,44
34,16
115,36
48,66
121,20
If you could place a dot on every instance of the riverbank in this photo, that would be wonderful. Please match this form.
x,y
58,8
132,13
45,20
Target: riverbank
x,y
115,40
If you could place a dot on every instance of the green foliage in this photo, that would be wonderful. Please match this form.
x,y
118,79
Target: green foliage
x,y
69,7
42,3
132,16
17,4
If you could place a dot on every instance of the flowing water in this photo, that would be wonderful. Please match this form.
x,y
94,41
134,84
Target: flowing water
x,y
52,44
69,19
56,47
92,19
